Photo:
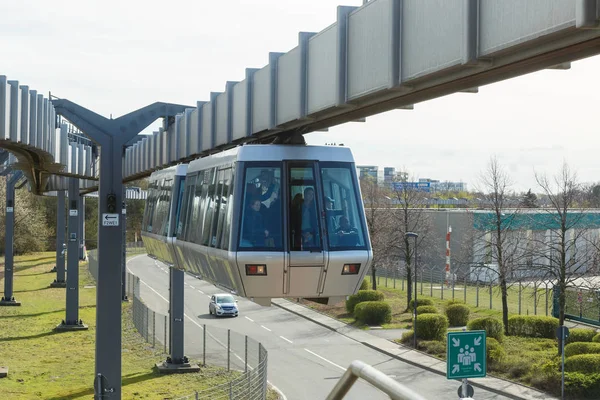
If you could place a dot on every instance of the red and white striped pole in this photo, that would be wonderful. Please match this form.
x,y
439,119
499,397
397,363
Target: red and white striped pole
x,y
448,255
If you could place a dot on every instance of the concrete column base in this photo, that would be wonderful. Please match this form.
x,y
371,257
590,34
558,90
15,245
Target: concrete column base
x,y
3,372
57,284
125,299
72,326
167,367
53,269
9,302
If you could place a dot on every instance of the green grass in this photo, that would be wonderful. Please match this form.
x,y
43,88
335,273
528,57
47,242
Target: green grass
x,y
49,365
533,302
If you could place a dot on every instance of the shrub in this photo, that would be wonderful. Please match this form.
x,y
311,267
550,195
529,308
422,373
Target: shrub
x,y
532,326
584,363
433,347
574,349
581,335
596,338
431,326
494,351
364,285
373,312
491,326
458,314
420,302
362,295
426,310
407,337
579,385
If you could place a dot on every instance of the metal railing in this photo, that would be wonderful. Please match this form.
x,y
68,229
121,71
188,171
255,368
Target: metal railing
x,y
241,356
381,381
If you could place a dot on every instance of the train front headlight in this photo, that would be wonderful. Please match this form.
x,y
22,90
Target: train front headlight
x,y
350,269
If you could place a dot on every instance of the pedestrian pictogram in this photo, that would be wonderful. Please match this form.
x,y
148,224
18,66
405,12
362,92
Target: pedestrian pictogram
x,y
466,355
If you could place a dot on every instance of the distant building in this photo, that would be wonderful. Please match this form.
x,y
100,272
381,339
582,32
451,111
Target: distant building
x,y
447,186
368,170
389,173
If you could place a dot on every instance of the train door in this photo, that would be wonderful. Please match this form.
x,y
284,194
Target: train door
x,y
306,258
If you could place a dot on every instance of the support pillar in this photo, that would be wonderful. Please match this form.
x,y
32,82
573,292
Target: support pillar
x,y
176,362
124,250
82,255
61,245
8,299
111,135
72,321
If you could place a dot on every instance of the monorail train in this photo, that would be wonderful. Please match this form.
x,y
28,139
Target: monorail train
x,y
264,221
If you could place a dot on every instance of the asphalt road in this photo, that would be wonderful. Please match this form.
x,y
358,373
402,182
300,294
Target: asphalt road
x,y
305,360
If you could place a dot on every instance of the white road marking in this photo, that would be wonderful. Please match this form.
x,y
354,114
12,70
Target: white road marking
x,y
192,287
287,340
250,319
208,295
264,327
200,291
324,359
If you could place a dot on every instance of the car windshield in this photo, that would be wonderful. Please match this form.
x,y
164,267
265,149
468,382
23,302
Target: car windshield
x,y
225,299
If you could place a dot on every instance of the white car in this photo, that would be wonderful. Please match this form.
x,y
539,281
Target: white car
x,y
223,304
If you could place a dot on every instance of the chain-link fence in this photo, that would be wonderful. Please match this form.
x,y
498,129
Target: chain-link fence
x,y
472,286
242,357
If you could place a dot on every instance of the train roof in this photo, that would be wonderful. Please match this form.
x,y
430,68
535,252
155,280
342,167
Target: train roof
x,y
176,170
273,152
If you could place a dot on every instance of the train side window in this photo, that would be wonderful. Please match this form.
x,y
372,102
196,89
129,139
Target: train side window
x,y
261,223
185,216
208,193
216,206
344,216
228,211
223,206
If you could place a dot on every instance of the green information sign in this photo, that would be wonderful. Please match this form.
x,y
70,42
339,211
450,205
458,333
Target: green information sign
x,y
466,355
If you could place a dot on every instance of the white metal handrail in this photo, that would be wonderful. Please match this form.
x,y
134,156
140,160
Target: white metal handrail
x,y
381,381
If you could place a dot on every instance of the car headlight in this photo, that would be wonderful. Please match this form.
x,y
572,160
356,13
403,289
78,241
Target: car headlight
x,y
218,307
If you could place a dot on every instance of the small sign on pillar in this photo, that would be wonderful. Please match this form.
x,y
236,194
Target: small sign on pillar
x,y
110,219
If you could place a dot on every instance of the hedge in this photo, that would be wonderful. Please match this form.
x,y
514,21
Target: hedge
x,y
426,310
373,312
491,326
580,385
458,314
584,363
532,326
574,349
494,350
431,326
596,338
364,285
420,302
581,335
362,295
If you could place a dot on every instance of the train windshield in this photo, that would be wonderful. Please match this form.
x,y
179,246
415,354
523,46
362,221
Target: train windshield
x,y
342,212
262,213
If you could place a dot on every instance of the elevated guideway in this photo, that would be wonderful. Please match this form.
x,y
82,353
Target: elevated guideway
x,y
384,55
30,130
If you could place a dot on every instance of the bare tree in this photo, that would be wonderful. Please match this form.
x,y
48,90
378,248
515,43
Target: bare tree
x,y
377,208
500,236
409,217
569,246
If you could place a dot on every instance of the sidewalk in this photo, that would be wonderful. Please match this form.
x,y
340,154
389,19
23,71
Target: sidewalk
x,y
505,388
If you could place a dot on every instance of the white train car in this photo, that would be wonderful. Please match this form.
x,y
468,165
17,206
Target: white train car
x,y
266,221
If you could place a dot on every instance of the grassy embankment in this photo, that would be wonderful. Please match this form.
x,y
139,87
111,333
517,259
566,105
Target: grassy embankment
x,y
49,365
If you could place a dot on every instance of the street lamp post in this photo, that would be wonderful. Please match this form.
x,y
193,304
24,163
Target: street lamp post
x,y
414,235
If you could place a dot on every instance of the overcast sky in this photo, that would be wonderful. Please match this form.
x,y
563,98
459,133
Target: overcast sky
x,y
116,56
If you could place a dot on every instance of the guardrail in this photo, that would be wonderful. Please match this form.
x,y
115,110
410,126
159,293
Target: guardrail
x,y
381,381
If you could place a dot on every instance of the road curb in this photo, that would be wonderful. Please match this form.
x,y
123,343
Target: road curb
x,y
279,392
411,362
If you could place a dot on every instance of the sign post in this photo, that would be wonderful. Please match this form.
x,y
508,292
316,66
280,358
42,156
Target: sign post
x,y
466,358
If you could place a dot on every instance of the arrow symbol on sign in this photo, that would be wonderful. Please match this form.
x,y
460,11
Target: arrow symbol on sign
x,y
477,367
477,341
107,217
455,342
456,368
